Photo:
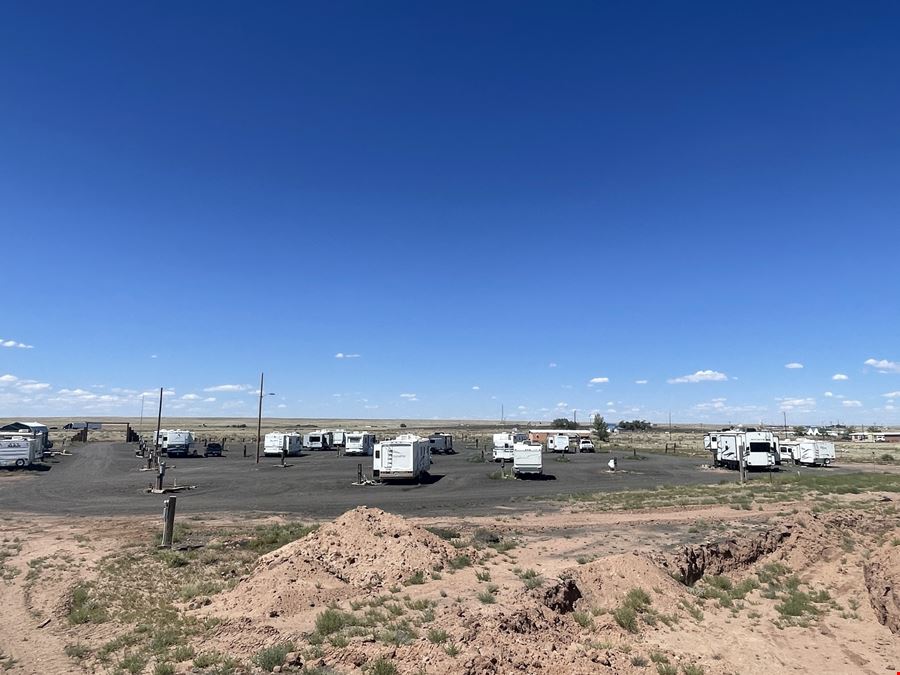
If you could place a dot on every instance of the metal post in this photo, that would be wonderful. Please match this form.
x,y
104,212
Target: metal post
x,y
245,451
359,473
259,419
160,474
168,522
740,451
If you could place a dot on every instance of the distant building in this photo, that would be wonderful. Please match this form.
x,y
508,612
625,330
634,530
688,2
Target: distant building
x,y
876,437
91,426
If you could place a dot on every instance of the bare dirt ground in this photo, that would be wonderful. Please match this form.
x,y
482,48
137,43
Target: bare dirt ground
x,y
810,585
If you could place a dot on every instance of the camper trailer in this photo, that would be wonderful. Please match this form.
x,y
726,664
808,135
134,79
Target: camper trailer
x,y
761,450
18,451
528,458
504,444
35,430
317,440
730,445
276,442
176,442
404,457
441,443
810,453
338,438
558,443
359,443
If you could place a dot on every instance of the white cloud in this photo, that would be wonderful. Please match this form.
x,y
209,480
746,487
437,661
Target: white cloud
x,y
153,356
851,404
892,394
13,344
797,404
793,365
700,376
281,405
371,407
341,355
210,399
227,387
828,394
599,380
552,364
839,377
476,388
190,397
407,395
33,386
640,381
883,365
522,407
6,379
562,404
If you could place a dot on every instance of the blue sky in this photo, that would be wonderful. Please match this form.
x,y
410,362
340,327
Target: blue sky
x,y
474,203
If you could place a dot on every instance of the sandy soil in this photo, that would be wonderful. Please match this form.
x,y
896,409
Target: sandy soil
x,y
538,592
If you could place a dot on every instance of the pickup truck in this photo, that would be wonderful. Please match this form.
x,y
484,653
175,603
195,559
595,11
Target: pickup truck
x,y
585,445
213,450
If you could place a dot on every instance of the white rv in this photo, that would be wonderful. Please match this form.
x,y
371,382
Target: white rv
x,y
504,444
359,443
558,443
730,445
317,440
441,443
810,453
338,438
175,442
19,451
761,450
528,458
406,456
277,441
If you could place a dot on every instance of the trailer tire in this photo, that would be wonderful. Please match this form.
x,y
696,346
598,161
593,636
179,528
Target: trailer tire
x,y
20,462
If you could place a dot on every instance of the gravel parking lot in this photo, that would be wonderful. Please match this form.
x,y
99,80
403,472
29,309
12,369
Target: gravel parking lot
x,y
104,478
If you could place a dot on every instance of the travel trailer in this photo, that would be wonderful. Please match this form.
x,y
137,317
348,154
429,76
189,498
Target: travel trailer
x,y
317,440
404,457
277,441
338,438
175,442
761,450
441,443
809,453
505,442
359,443
558,443
730,445
18,451
528,458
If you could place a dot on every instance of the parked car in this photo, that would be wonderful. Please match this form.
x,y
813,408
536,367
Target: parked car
x,y
213,450
585,445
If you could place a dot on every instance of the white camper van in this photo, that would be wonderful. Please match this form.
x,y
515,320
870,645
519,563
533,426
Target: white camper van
x,y
317,440
558,443
359,443
278,441
528,458
406,456
504,444
17,451
441,443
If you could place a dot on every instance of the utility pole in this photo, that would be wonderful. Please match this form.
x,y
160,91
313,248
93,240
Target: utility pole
x,y
502,413
158,423
259,419
740,450
141,425
784,415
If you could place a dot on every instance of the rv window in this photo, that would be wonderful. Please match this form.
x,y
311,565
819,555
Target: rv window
x,y
377,454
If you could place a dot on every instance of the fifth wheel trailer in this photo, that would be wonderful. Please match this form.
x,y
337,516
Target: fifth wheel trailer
x,y
528,458
505,442
441,443
404,457
276,442
316,441
359,443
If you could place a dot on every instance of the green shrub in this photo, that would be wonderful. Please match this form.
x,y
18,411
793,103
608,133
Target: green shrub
x,y
269,657
416,579
382,667
164,668
626,617
583,619
84,609
460,561
332,620
437,636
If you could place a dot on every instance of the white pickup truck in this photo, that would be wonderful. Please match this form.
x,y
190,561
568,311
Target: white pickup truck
x,y
585,445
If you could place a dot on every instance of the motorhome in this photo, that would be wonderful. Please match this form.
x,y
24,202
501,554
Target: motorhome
x,y
359,443
316,440
277,442
505,442
176,442
528,458
441,443
404,457
558,443
761,449
19,451
809,452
